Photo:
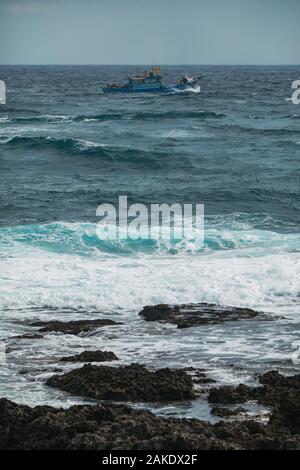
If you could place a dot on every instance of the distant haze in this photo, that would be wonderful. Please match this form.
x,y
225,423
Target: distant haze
x,y
149,32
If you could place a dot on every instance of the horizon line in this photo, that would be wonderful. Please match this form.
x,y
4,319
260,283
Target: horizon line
x,y
149,64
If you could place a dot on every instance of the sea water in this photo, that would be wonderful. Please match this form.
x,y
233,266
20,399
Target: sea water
x,y
65,148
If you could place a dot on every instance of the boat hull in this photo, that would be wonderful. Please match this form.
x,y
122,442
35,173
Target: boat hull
x,y
133,90
161,89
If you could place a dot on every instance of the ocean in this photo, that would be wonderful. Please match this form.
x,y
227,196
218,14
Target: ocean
x,y
65,148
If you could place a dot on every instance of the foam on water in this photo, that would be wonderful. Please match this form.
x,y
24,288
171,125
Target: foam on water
x,y
48,279
62,271
65,148
39,282
66,264
191,89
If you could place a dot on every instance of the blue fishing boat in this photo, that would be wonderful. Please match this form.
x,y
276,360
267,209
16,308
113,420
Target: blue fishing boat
x,y
151,82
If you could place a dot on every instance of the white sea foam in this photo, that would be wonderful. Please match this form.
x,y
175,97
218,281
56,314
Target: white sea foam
x,y
34,276
176,134
195,89
87,144
42,266
56,118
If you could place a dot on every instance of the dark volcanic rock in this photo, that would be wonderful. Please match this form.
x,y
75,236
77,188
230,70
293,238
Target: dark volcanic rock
x,y
32,371
288,413
91,356
231,395
275,380
226,412
115,427
27,336
188,315
128,383
284,394
73,327
278,391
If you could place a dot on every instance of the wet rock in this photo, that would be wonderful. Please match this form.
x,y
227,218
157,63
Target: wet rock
x,y
288,413
73,327
277,380
254,427
31,371
226,412
203,380
280,392
107,427
278,389
231,395
27,336
283,393
91,356
188,315
128,383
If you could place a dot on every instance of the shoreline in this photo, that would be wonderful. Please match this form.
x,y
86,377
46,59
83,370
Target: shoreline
x,y
108,425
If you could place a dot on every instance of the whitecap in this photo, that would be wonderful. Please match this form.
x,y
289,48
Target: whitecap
x,y
65,264
87,144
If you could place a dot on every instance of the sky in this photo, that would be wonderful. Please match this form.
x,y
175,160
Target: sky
x,y
150,32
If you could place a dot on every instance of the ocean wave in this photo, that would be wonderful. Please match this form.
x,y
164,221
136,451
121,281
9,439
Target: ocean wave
x,y
149,116
82,239
83,147
135,116
8,109
47,141
58,265
277,131
52,119
67,264
80,145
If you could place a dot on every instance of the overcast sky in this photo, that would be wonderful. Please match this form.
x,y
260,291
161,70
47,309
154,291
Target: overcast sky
x,y
149,31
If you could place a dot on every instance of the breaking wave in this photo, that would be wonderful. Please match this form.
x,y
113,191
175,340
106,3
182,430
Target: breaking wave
x,y
66,264
136,116
82,147
81,238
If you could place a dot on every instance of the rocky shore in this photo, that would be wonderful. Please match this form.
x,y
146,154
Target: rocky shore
x,y
73,327
91,356
111,427
187,315
128,383
107,425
